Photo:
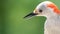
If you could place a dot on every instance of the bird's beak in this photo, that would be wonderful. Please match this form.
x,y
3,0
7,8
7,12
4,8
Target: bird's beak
x,y
30,15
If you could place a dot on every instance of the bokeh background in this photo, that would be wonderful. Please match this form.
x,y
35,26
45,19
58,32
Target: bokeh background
x,y
12,13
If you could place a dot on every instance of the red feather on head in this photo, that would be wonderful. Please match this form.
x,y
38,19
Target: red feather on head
x,y
54,7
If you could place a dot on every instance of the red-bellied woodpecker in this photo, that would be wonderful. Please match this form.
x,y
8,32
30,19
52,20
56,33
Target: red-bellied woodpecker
x,y
52,13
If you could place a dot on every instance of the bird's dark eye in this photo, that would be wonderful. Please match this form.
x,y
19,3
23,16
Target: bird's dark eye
x,y
40,10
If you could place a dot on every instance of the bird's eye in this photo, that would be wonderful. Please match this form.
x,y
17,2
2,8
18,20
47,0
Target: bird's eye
x,y
40,10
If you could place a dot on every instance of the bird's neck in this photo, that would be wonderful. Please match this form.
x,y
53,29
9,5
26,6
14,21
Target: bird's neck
x,y
53,17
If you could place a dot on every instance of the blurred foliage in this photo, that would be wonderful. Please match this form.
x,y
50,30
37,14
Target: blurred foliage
x,y
12,13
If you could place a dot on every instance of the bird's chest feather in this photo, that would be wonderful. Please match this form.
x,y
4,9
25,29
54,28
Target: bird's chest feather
x,y
52,26
52,23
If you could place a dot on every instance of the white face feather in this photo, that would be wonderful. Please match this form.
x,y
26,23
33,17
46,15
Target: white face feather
x,y
47,12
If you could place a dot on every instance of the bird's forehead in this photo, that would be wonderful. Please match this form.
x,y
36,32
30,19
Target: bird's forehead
x,y
43,4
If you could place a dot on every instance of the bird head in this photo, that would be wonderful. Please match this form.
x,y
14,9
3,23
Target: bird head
x,y
46,8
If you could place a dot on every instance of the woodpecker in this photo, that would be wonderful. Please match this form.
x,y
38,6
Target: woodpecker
x,y
49,10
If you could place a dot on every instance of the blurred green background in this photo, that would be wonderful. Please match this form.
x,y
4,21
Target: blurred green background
x,y
12,13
